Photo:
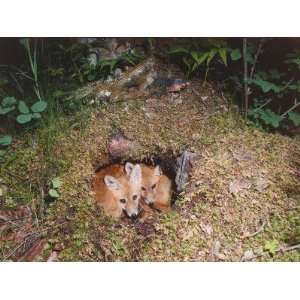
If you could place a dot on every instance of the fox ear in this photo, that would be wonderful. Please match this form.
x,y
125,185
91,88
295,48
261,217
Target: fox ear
x,y
136,175
112,183
157,171
128,168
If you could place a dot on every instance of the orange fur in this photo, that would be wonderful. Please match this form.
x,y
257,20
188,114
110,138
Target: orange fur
x,y
113,186
156,188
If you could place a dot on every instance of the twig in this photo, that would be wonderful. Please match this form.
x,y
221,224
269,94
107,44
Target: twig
x,y
264,104
14,250
290,109
16,176
245,75
259,230
28,236
281,249
259,50
287,84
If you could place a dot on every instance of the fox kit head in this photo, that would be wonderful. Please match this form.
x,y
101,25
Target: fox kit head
x,y
150,179
150,183
127,190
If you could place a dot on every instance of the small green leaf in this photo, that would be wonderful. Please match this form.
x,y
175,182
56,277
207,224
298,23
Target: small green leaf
x,y
2,152
266,86
250,58
178,50
5,140
294,117
53,193
235,54
9,101
6,110
56,182
271,246
39,106
24,118
223,55
23,108
211,55
199,57
91,77
36,116
270,118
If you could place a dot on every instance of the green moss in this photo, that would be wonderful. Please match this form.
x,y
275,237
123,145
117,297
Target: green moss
x,y
228,151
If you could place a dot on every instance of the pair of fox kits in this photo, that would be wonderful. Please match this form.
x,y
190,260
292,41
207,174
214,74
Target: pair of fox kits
x,y
129,189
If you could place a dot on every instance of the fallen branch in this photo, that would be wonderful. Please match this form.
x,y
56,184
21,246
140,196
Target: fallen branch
x,y
281,249
259,230
296,104
263,105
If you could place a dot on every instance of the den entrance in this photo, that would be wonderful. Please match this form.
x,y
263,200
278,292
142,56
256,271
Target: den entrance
x,y
162,177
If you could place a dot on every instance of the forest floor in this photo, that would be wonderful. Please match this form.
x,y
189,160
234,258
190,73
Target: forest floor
x,y
241,203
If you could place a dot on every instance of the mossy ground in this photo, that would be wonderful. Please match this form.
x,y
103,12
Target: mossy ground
x,y
207,222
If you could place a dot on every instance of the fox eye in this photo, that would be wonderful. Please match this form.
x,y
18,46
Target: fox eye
x,y
153,186
123,200
134,197
143,188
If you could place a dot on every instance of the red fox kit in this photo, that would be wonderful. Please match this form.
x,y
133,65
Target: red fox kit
x,y
118,191
156,187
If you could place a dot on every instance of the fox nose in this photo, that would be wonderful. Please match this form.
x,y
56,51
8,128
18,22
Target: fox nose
x,y
133,216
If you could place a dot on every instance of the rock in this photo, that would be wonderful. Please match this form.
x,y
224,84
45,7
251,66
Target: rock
x,y
118,72
184,164
177,85
109,79
103,95
119,145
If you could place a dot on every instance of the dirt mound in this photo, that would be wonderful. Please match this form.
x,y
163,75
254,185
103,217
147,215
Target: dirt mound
x,y
240,204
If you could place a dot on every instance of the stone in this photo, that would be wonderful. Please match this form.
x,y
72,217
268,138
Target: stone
x,y
184,164
103,95
119,145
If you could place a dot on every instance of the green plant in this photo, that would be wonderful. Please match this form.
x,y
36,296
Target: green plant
x,y
26,114
5,140
266,118
8,104
106,67
194,59
33,64
271,246
54,186
262,86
